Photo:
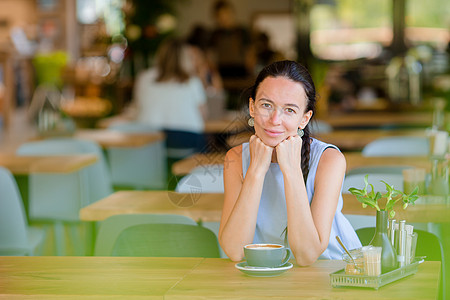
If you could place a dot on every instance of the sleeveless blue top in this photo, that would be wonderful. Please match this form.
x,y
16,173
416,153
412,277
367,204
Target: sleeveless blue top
x,y
272,214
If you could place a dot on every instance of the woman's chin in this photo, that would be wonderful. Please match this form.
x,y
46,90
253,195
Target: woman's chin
x,y
272,142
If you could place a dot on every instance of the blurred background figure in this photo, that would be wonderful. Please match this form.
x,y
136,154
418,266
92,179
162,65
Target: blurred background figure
x,y
261,53
229,42
170,96
206,70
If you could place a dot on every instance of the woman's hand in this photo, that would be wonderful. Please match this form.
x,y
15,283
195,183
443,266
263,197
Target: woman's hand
x,y
260,155
289,154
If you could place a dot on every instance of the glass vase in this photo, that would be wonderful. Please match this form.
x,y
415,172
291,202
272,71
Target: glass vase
x,y
381,239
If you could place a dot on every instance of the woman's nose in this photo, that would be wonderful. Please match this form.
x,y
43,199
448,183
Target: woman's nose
x,y
275,117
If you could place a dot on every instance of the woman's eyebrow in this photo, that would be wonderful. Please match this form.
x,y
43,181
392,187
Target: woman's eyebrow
x,y
287,104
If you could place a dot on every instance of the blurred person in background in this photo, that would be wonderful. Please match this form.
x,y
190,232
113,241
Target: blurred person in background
x,y
261,53
207,71
170,95
229,42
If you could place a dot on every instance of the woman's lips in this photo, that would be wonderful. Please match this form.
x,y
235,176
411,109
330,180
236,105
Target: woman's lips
x,y
273,133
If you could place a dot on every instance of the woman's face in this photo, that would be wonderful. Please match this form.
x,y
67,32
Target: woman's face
x,y
279,109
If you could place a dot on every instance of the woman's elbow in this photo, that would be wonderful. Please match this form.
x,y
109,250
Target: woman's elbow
x,y
232,252
235,257
308,258
305,261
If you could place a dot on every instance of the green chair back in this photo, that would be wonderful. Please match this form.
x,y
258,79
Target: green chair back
x,y
166,240
155,235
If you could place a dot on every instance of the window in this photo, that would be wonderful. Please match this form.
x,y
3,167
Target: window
x,y
352,29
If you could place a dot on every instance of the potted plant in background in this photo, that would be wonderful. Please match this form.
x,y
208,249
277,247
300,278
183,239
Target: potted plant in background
x,y
384,204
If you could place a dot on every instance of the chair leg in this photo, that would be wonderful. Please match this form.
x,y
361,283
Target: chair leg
x,y
60,241
90,231
76,239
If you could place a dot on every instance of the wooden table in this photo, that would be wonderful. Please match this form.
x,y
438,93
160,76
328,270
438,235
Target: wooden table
x,y
208,207
357,139
419,213
188,278
24,165
357,160
205,207
226,126
111,138
377,119
354,160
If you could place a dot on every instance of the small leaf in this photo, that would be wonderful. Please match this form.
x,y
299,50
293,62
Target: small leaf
x,y
366,180
356,192
364,205
392,214
389,188
405,205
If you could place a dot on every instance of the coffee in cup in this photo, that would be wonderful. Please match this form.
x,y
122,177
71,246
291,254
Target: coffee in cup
x,y
266,255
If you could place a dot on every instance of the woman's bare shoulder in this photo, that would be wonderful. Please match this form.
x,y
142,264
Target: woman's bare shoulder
x,y
332,158
233,156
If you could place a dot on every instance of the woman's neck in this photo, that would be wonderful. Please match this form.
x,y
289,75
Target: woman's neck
x,y
274,156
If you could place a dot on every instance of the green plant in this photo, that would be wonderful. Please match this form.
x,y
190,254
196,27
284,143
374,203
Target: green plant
x,y
391,197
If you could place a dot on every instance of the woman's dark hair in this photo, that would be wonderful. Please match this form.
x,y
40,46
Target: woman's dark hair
x,y
298,73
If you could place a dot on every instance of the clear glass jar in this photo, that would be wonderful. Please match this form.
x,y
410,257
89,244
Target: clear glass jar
x,y
356,267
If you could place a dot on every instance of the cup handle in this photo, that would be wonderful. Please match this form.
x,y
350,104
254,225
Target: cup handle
x,y
288,256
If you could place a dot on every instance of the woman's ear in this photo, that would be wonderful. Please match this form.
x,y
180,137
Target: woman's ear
x,y
305,119
251,106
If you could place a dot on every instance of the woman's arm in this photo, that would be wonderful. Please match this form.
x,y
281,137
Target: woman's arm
x,y
309,226
242,197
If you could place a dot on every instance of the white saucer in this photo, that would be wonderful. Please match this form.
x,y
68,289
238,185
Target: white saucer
x,y
262,271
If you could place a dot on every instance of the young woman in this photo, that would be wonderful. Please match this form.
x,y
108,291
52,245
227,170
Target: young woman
x,y
284,186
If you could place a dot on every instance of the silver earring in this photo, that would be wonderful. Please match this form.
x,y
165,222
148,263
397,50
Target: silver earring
x,y
300,132
251,122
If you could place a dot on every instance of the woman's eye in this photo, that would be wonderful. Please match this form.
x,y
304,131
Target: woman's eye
x,y
266,105
290,110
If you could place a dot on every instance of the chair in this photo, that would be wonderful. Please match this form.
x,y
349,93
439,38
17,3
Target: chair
x,y
319,126
398,146
138,167
355,179
181,144
428,244
57,198
202,179
98,173
155,235
16,237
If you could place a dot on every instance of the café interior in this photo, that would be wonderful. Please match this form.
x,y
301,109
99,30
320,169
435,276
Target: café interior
x,y
96,203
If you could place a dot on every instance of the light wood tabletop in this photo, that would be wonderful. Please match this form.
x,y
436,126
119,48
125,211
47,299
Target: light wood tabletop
x,y
112,138
437,212
218,279
43,277
225,125
230,123
205,207
358,139
377,119
23,165
208,207
354,160
47,277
